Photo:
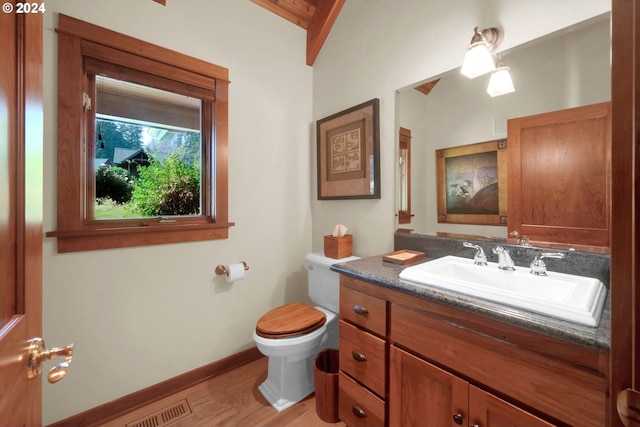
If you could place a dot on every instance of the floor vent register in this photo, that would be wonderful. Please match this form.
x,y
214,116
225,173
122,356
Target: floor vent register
x,y
164,416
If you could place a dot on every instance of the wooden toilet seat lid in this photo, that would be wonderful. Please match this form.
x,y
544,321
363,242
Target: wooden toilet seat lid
x,y
290,320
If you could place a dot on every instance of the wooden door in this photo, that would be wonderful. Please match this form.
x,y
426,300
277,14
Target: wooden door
x,y
625,245
20,212
488,411
422,395
559,176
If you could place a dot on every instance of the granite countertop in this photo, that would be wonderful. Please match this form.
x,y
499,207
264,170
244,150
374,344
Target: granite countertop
x,y
383,273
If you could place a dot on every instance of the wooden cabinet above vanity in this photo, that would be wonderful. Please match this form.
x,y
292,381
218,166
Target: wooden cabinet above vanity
x,y
425,360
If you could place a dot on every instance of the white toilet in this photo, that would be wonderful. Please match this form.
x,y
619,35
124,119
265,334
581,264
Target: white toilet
x,y
293,334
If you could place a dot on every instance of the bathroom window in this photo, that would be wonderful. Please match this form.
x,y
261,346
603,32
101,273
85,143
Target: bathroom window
x,y
148,152
142,143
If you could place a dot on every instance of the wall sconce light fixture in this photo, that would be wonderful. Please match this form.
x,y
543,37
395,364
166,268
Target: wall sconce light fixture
x,y
478,60
500,82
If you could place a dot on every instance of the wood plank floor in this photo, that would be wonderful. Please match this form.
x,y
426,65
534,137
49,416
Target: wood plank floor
x,y
231,400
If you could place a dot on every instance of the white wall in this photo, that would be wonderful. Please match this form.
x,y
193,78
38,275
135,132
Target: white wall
x,y
140,316
379,46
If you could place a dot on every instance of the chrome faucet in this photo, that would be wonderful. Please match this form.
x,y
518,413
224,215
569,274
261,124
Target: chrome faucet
x,y
504,259
538,267
480,258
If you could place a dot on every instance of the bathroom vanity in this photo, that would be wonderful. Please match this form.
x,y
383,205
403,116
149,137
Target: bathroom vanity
x,y
421,356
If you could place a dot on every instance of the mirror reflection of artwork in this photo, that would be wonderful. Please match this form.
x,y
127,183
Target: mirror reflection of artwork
x,y
472,184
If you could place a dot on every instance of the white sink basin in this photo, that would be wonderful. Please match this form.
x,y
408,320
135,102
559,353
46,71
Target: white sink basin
x,y
565,296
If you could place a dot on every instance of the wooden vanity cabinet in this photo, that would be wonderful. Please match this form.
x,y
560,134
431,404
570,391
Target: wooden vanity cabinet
x,y
429,364
567,386
424,395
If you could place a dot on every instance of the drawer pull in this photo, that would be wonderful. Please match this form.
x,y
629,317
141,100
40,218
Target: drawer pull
x,y
457,418
359,357
358,411
360,309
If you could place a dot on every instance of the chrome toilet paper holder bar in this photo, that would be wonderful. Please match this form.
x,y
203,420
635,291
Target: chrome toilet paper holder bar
x,y
221,270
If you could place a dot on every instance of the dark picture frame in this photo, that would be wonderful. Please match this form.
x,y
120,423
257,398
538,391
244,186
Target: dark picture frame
x,y
472,183
348,145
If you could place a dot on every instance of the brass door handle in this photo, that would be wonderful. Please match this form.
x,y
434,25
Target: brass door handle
x,y
38,353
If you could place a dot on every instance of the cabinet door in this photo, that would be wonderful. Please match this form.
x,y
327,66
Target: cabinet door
x,y
489,411
559,176
357,406
422,395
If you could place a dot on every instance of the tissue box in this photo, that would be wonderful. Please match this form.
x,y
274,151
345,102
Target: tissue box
x,y
338,247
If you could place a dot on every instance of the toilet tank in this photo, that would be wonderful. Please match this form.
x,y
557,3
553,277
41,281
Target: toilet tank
x,y
324,284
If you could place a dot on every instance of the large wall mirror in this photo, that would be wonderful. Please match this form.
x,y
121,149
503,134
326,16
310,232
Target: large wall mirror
x,y
566,69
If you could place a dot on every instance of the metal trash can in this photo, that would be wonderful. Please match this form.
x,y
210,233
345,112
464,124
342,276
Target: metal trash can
x,y
325,377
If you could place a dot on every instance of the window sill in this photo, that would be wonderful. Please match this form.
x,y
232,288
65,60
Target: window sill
x,y
404,217
125,237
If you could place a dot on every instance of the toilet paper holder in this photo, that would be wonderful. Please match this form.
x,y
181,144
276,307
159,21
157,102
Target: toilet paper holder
x,y
221,270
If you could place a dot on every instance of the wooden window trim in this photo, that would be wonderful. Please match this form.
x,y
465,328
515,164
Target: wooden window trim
x,y
404,217
81,43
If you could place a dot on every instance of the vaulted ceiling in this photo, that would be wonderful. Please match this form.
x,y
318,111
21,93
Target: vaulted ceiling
x,y
315,16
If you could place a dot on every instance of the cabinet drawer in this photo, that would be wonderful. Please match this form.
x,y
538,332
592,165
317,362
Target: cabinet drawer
x,y
357,406
362,356
364,310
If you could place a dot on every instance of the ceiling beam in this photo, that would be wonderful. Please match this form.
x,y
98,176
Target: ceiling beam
x,y
298,13
320,25
427,87
315,16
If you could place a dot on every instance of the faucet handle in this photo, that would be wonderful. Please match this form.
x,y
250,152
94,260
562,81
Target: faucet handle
x,y
538,267
480,258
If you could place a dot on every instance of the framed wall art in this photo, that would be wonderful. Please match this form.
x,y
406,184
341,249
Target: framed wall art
x,y
348,145
472,183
